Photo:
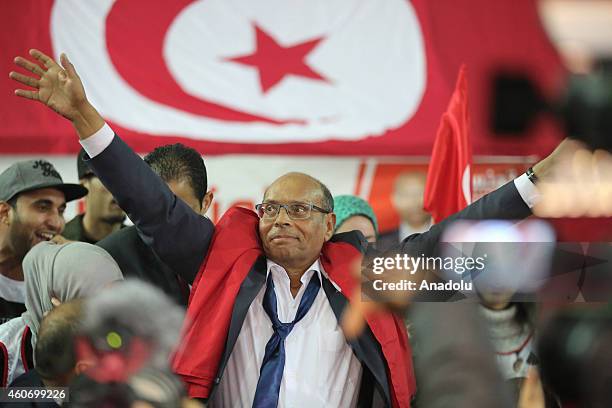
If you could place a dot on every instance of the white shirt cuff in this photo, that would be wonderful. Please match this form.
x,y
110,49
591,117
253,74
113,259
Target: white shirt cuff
x,y
528,191
96,143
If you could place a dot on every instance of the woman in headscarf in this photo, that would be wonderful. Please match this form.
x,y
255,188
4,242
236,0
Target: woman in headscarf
x,y
68,271
354,213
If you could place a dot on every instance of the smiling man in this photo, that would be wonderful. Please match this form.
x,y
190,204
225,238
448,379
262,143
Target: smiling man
x,y
32,202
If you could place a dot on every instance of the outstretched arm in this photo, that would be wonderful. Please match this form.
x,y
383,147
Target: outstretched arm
x,y
178,235
512,201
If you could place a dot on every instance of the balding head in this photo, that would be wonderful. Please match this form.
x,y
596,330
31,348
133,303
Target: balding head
x,y
54,351
296,243
302,180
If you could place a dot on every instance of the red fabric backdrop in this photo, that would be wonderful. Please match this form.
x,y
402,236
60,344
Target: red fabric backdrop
x,y
481,33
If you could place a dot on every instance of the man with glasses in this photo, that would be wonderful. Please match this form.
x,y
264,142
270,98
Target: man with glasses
x,y
269,290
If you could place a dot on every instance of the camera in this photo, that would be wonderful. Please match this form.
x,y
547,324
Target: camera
x,y
583,108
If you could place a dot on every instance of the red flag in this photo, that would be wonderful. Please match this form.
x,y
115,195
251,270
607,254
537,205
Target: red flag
x,y
269,87
449,182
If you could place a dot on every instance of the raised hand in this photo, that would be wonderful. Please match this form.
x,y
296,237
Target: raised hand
x,y
59,87
362,305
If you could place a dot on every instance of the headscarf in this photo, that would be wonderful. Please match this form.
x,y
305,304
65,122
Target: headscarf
x,y
66,272
347,206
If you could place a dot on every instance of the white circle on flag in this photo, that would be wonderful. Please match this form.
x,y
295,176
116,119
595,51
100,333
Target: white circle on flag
x,y
371,54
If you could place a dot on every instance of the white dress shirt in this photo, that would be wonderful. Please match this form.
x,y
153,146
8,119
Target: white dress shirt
x,y
320,367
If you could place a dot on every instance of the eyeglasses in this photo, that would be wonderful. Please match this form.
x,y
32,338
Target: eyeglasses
x,y
295,211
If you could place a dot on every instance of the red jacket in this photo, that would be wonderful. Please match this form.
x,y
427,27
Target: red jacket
x,y
234,248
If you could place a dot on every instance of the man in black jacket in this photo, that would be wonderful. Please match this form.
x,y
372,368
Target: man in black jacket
x,y
183,169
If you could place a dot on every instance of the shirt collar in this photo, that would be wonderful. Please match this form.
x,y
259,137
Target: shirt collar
x,y
316,267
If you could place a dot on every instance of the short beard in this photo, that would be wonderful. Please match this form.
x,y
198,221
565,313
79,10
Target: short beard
x,y
19,243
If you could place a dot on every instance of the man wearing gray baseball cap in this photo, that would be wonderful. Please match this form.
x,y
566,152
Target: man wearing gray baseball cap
x,y
33,197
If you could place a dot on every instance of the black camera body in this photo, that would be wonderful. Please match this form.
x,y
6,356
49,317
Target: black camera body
x,y
584,108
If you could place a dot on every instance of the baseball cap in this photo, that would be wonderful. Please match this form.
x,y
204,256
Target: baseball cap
x,y
35,174
83,169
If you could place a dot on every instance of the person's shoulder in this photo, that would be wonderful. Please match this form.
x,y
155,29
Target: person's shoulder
x,y
354,238
30,378
13,325
73,229
388,239
77,221
126,247
391,234
119,238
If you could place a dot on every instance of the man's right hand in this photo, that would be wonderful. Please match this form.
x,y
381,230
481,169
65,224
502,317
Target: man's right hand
x,y
59,88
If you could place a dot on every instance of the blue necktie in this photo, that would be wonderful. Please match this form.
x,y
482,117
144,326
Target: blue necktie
x,y
271,373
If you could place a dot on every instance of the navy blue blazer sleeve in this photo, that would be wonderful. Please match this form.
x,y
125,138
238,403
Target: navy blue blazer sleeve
x,y
177,234
505,203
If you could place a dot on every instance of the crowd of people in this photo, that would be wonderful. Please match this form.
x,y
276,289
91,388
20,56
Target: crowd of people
x,y
251,311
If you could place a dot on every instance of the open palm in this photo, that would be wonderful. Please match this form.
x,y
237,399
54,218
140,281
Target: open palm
x,y
59,87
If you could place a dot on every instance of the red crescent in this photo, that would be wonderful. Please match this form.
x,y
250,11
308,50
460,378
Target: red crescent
x,y
135,32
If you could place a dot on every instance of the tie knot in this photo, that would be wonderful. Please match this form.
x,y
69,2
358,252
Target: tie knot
x,y
283,329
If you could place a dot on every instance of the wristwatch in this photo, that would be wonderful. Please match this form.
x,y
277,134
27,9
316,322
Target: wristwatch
x,y
531,175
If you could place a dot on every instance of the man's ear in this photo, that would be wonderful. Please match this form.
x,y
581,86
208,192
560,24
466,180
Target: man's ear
x,y
5,213
330,225
208,197
85,182
83,365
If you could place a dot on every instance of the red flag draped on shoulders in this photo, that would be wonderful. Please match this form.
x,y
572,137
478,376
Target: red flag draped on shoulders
x,y
449,182
234,249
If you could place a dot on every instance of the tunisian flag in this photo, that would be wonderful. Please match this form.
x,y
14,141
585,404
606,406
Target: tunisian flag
x,y
449,182
318,77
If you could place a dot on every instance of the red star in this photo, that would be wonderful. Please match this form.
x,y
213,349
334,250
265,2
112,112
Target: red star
x,y
274,61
